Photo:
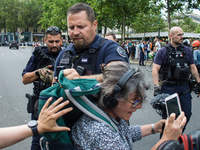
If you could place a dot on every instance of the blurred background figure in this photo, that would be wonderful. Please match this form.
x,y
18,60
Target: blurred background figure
x,y
111,36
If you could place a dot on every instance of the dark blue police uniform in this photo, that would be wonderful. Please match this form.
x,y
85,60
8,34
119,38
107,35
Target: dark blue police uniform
x,y
108,52
182,87
32,65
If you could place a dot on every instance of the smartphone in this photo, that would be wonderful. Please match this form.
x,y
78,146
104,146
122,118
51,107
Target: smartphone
x,y
172,104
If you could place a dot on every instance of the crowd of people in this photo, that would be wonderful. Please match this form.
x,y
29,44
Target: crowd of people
x,y
140,50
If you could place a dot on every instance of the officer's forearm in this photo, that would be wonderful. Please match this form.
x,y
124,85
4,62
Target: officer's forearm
x,y
155,75
29,77
194,72
155,78
96,76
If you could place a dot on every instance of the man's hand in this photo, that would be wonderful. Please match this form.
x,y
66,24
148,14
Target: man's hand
x,y
49,115
46,74
159,125
157,90
197,91
173,128
71,74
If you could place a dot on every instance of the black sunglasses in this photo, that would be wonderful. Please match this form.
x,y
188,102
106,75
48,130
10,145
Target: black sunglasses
x,y
50,29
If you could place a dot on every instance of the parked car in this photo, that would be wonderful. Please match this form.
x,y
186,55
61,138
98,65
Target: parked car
x,y
22,44
5,44
14,44
29,43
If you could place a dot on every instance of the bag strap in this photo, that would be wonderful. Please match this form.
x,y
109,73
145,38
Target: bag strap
x,y
87,107
91,91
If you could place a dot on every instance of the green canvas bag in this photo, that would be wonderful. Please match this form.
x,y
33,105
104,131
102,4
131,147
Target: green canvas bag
x,y
82,94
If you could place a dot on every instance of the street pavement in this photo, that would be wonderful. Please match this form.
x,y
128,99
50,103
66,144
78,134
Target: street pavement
x,y
13,102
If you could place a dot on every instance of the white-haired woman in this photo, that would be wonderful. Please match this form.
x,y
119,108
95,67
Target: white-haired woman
x,y
88,133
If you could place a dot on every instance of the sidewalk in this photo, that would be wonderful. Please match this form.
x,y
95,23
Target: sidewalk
x,y
134,61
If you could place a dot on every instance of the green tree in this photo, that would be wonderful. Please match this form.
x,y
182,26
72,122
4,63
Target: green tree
x,y
3,15
13,20
197,30
120,13
31,12
172,6
54,13
182,20
149,22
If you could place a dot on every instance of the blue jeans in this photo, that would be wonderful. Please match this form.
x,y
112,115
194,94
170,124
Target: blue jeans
x,y
185,99
145,56
141,62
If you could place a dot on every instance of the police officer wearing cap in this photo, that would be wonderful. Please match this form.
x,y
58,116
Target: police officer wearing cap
x,y
39,71
88,50
172,66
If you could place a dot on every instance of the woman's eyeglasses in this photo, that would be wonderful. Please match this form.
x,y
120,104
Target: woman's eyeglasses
x,y
135,102
50,29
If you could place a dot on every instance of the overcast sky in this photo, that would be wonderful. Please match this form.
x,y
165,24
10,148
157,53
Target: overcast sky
x,y
196,11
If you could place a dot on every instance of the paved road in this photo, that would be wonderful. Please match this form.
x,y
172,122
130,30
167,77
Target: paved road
x,y
13,102
12,91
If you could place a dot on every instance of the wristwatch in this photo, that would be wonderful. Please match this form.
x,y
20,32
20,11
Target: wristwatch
x,y
33,125
37,73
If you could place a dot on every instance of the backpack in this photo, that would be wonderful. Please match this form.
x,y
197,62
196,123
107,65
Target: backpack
x,y
81,93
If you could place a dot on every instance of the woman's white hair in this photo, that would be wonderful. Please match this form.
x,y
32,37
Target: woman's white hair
x,y
112,74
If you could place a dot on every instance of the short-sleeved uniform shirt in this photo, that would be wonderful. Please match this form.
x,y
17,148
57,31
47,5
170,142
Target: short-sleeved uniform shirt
x,y
141,45
109,51
161,55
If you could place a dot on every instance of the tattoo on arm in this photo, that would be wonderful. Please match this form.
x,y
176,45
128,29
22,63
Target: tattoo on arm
x,y
195,75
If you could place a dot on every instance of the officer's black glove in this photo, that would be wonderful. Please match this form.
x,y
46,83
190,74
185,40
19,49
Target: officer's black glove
x,y
157,90
197,88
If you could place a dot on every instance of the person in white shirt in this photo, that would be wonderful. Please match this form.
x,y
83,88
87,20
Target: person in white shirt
x,y
157,45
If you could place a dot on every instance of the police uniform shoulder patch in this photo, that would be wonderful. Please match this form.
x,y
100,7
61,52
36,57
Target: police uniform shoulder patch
x,y
121,51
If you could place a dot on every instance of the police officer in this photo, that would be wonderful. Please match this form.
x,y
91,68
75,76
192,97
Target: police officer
x,y
88,50
142,53
172,66
39,71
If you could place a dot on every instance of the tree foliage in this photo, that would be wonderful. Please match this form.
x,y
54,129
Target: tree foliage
x,y
182,20
31,13
19,13
172,6
197,30
118,13
142,15
149,22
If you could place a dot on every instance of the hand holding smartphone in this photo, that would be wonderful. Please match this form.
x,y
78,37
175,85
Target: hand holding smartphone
x,y
172,104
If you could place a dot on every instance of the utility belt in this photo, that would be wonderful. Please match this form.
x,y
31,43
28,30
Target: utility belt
x,y
175,83
45,144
